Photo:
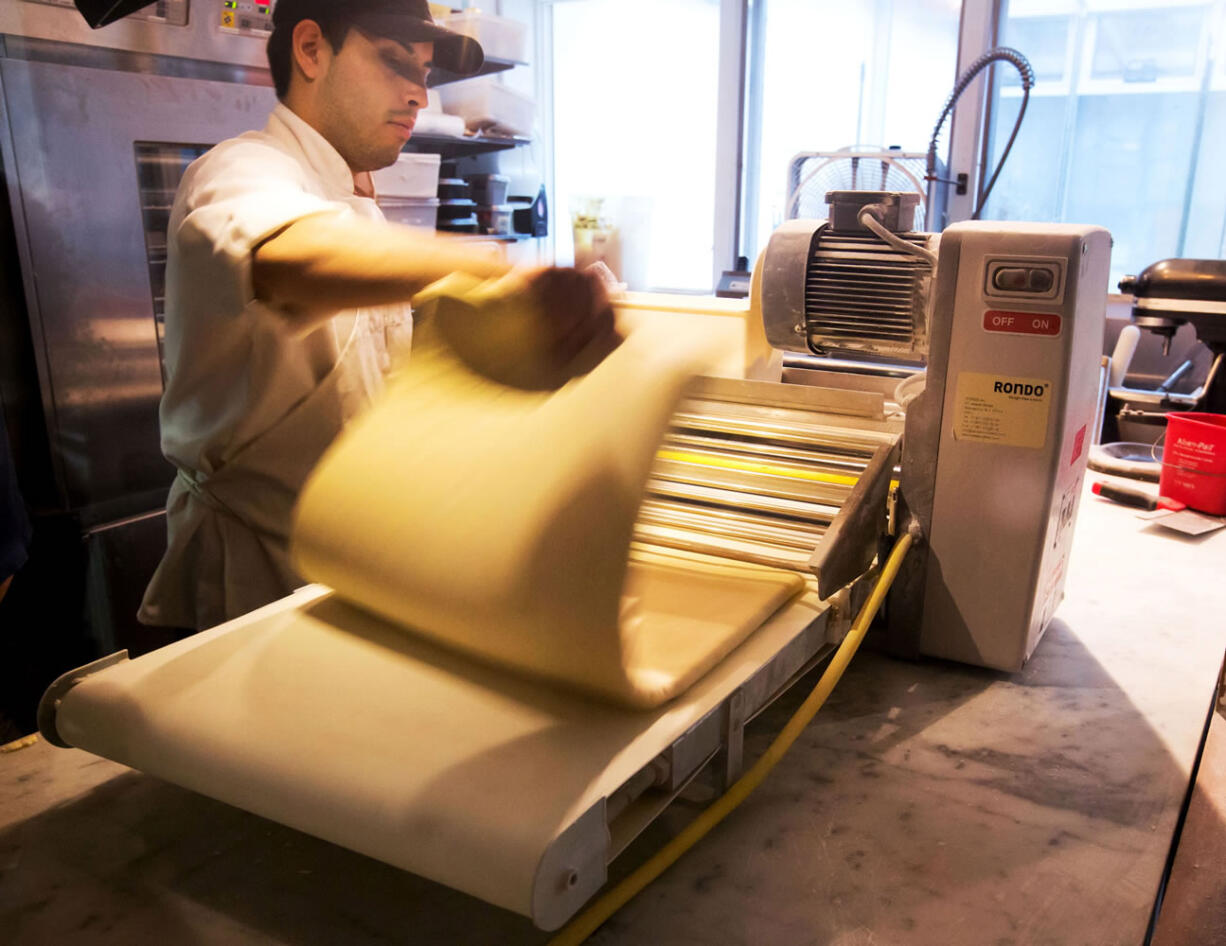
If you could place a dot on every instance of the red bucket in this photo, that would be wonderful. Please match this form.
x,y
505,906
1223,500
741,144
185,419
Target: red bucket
x,y
1194,461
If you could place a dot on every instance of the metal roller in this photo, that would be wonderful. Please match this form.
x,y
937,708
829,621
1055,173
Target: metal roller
x,y
749,450
759,483
731,524
781,429
705,496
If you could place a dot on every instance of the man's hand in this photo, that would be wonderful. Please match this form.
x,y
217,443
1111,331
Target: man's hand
x,y
533,329
577,318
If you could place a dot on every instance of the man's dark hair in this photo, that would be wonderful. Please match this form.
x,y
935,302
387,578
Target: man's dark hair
x,y
335,28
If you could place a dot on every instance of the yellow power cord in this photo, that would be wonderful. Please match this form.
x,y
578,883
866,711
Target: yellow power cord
x,y
584,925
23,743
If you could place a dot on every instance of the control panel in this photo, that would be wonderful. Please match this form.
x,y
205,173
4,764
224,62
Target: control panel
x,y
170,12
246,17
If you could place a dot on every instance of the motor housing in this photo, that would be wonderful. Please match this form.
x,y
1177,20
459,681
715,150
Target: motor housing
x,y
836,288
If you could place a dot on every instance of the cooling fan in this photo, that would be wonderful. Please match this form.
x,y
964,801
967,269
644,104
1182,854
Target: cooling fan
x,y
812,174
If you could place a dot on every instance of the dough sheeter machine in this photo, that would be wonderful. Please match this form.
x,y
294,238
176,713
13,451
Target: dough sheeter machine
x,y
320,715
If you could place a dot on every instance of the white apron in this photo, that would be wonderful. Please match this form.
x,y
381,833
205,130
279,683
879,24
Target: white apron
x,y
228,531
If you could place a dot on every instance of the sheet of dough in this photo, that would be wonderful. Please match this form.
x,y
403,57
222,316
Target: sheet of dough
x,y
498,520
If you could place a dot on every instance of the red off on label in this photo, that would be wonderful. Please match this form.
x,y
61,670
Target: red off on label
x,y
1021,323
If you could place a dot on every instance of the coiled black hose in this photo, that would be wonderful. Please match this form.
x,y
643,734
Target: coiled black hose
x,y
999,54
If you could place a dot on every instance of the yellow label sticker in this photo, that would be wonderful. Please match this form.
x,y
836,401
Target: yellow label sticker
x,y
227,18
993,408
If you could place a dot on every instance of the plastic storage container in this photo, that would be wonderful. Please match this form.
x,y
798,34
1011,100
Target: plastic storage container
x,y
439,123
495,221
410,211
454,188
489,189
1194,461
457,214
413,175
485,103
499,37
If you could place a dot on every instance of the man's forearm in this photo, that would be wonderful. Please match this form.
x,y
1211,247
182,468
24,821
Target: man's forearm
x,y
322,264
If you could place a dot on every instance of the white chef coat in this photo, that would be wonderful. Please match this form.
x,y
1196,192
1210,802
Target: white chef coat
x,y
249,405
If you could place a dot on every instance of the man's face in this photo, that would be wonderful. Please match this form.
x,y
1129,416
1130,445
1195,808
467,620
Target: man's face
x,y
369,98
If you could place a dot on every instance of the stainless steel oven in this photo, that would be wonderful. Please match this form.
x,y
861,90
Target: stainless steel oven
x,y
96,127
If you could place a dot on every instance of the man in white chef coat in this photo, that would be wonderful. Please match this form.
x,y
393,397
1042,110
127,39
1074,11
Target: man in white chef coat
x,y
287,295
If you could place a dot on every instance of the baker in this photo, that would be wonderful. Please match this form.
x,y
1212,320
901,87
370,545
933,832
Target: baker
x,y
287,295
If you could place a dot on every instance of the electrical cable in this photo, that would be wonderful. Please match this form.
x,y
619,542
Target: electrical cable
x,y
908,389
1017,124
584,925
869,220
1026,71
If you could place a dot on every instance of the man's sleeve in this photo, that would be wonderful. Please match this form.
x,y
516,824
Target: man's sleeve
x,y
234,200
14,523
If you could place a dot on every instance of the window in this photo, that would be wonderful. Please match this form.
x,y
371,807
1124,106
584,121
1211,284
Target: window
x,y
1129,99
634,118
833,75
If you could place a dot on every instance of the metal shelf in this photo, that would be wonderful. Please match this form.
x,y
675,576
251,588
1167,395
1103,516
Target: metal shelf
x,y
486,237
452,147
491,65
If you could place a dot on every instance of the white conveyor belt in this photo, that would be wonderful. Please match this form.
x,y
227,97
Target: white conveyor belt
x,y
322,717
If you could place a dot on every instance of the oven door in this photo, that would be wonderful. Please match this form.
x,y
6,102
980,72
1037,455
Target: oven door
x,y
93,155
91,158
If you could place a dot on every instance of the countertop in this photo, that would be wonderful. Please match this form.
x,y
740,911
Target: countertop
x,y
928,802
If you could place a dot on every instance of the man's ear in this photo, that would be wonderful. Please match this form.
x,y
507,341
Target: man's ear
x,y
311,51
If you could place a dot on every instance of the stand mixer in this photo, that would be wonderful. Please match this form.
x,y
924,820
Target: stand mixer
x,y
1166,295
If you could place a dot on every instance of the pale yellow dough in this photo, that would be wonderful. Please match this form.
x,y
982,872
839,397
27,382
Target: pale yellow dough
x,y
498,520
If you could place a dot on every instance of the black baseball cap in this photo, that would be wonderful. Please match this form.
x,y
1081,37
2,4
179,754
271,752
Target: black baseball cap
x,y
406,21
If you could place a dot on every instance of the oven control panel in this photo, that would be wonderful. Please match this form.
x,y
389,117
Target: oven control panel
x,y
246,17
170,12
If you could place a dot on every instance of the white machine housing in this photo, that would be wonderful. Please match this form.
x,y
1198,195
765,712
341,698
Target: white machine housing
x,y
995,447
1016,405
